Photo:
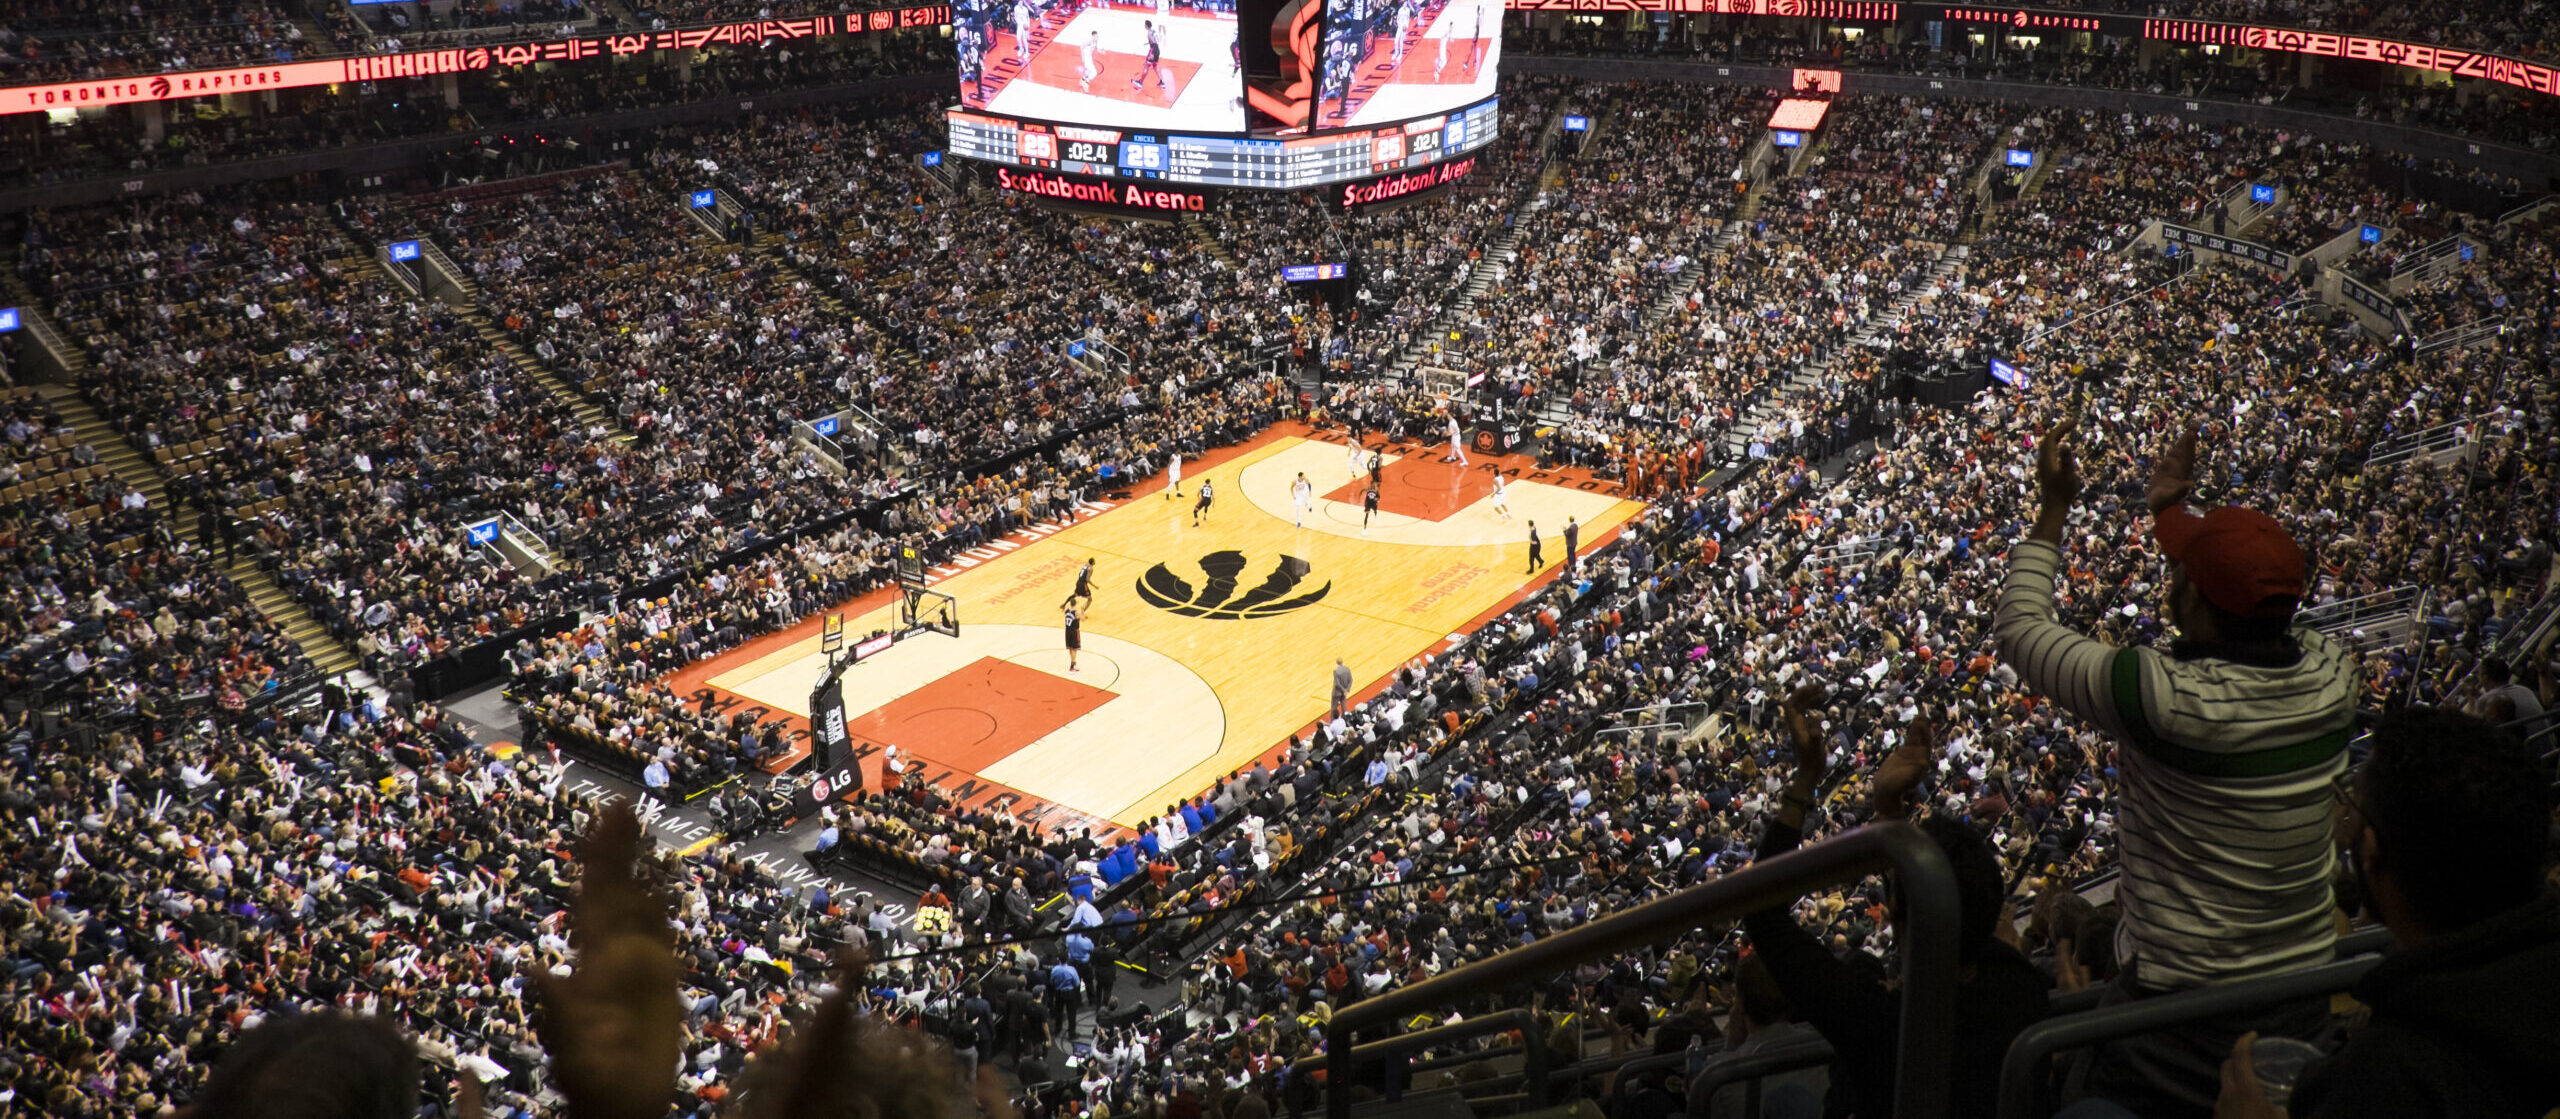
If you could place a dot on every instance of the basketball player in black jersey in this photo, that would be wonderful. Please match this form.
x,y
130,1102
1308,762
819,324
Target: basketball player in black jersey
x,y
1368,504
1081,598
1075,636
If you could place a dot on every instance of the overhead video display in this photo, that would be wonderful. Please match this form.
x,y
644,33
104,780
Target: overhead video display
x,y
1388,60
1165,64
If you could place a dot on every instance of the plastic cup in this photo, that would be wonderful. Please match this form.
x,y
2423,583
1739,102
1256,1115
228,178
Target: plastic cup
x,y
2279,1062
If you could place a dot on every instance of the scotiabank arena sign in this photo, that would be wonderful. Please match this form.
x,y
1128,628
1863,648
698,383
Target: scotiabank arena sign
x,y
1101,192
1403,184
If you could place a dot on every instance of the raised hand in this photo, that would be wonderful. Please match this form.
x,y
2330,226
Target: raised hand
x,y
2057,467
1903,769
1804,729
804,1085
2173,475
613,1026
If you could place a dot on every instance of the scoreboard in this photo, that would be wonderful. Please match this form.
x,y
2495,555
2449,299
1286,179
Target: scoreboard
x,y
1261,162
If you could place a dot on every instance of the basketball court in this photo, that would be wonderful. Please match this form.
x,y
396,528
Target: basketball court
x,y
1205,647
1194,84
1449,59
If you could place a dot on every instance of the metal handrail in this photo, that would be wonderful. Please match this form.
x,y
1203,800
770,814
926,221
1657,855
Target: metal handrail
x,y
1808,1051
824,444
1532,1047
1928,939
2426,255
2427,439
1627,1071
2527,210
2346,611
2363,943
2021,1078
2456,337
1514,1019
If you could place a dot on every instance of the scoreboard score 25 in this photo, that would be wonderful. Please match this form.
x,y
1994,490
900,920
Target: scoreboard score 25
x,y
1267,162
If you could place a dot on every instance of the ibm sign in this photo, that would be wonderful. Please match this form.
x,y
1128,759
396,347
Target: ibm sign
x,y
2229,246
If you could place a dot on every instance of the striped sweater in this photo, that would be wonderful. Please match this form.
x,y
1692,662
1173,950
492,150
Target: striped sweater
x,y
2225,812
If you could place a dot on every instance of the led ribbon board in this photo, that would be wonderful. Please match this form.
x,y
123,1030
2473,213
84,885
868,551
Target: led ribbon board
x,y
460,60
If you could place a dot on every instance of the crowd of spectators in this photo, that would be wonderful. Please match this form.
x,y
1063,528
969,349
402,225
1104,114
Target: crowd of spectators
x,y
2519,258
92,145
36,148
2513,116
75,41
368,856
337,424
108,610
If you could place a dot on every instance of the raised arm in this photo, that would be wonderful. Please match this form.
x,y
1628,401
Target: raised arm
x,y
2076,671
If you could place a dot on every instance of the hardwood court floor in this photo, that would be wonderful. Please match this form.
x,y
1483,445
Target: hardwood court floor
x,y
1207,645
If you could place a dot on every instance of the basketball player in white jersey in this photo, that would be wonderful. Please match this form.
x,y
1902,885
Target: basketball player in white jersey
x,y
1090,70
1457,447
1173,478
1501,497
1359,463
1302,494
1404,23
1022,31
1443,63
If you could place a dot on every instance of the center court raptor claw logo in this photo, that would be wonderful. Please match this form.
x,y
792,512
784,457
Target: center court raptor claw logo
x,y
1217,598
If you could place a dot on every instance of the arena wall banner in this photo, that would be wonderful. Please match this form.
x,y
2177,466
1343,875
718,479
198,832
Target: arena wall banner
x,y
1369,193
2366,297
2250,251
2461,63
1860,11
1104,194
458,60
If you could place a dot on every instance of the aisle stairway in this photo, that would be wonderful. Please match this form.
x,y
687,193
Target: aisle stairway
x,y
136,470
1731,234
900,354
2034,185
1209,242
590,415
1949,265
1479,279
1497,255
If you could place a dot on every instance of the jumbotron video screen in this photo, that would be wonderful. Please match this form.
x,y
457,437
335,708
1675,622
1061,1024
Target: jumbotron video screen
x,y
1172,65
1390,60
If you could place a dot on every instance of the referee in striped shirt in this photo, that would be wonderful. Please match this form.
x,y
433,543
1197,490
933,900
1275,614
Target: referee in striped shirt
x,y
2227,743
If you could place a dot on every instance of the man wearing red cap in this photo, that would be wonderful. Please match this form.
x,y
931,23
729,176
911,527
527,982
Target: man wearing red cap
x,y
2227,744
